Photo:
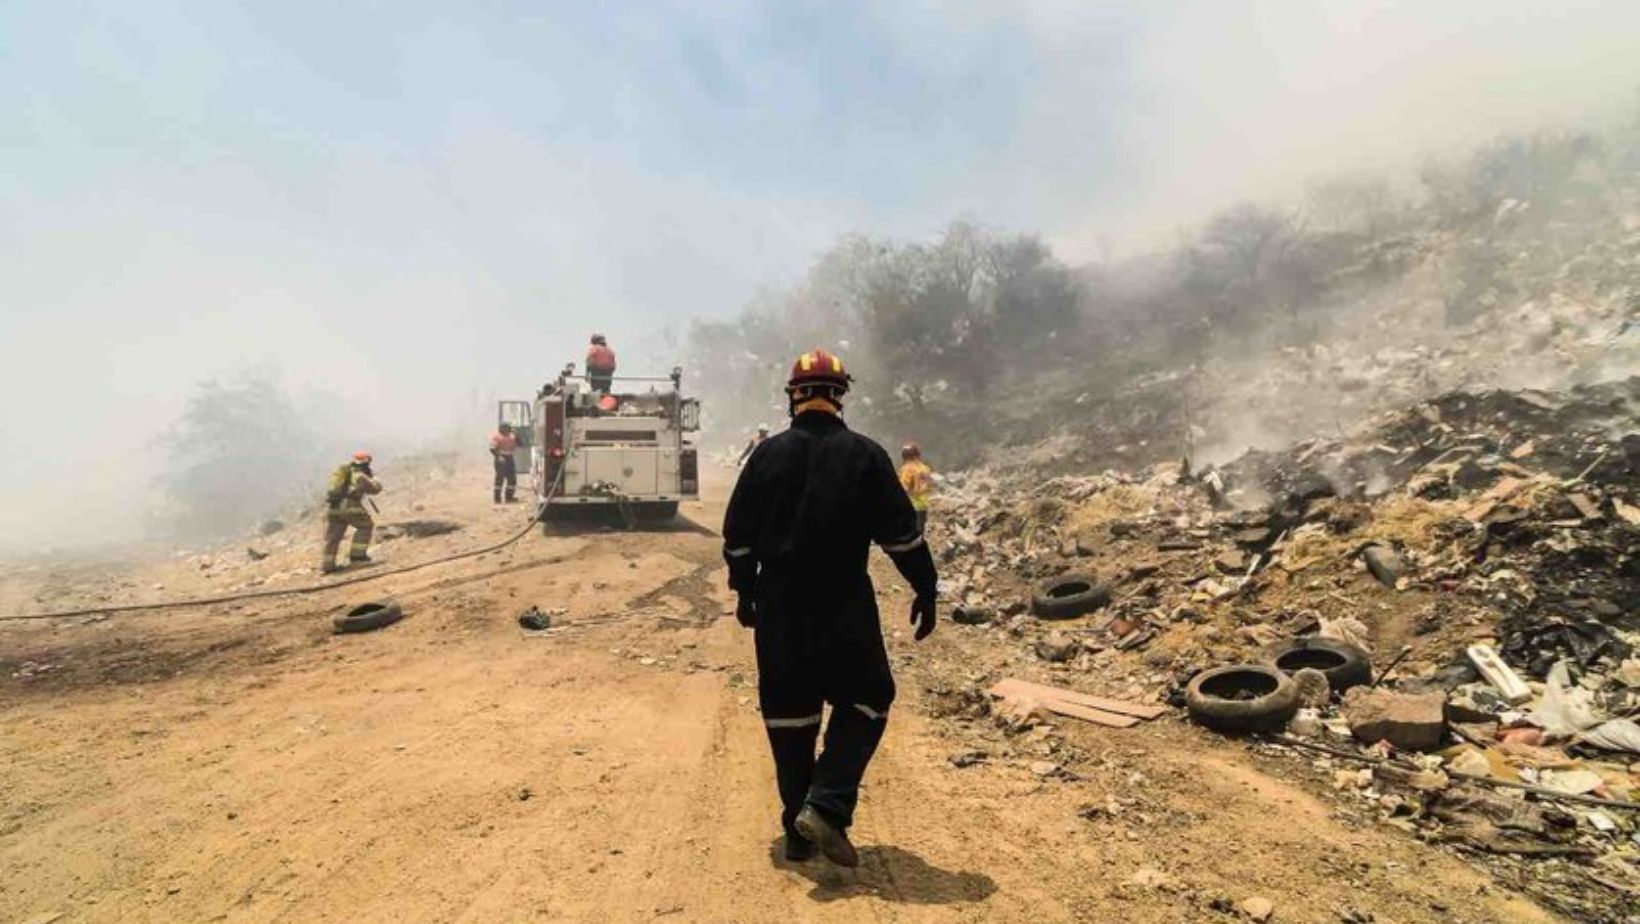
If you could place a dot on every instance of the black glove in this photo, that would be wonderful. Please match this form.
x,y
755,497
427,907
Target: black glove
x,y
746,611
922,615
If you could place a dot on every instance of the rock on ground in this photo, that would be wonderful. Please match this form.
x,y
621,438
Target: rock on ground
x,y
1258,909
1409,721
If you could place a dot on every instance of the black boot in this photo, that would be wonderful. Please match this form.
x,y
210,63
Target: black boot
x,y
832,839
799,849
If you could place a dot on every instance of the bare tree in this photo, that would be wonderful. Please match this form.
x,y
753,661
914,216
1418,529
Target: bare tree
x,y
910,317
1246,238
1352,202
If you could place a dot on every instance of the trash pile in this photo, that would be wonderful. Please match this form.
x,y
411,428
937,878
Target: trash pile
x,y
1440,608
1535,772
1398,353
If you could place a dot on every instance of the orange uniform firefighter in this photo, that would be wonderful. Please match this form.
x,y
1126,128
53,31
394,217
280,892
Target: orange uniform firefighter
x,y
918,480
503,448
350,484
797,537
600,364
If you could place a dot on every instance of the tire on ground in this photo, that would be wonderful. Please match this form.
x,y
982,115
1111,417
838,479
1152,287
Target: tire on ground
x,y
1344,664
1242,698
1068,596
368,616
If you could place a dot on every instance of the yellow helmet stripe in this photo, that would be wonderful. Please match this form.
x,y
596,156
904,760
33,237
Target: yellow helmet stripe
x,y
806,361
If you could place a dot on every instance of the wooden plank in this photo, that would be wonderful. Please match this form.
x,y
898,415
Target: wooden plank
x,y
1045,694
1120,707
1061,708
1096,716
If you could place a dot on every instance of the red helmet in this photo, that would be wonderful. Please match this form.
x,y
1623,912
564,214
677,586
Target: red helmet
x,y
362,457
911,451
818,367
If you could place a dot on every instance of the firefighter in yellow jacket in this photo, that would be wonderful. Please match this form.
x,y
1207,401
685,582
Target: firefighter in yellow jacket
x,y
918,480
350,484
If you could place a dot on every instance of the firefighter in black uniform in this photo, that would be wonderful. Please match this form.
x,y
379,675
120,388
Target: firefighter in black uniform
x,y
797,537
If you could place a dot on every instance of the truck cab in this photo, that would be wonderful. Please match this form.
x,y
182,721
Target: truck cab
x,y
627,450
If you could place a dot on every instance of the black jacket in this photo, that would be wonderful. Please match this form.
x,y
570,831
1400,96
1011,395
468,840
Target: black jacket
x,y
804,513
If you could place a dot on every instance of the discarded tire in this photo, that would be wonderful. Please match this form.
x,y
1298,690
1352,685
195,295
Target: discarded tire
x,y
1241,698
1069,596
1344,664
368,616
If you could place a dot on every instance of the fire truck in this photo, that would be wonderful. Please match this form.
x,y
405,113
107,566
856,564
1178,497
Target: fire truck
x,y
626,451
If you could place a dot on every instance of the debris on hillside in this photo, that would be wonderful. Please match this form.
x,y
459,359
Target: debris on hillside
x,y
1491,538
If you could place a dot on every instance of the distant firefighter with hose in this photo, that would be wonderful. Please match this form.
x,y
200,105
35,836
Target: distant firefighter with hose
x,y
797,538
351,485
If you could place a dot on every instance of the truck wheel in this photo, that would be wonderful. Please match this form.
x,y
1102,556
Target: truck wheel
x,y
1068,597
1344,664
1242,698
368,616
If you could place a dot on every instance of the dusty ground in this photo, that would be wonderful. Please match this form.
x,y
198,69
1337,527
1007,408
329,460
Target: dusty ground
x,y
241,763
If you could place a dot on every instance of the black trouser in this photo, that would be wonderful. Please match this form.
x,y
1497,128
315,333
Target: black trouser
x,y
600,381
834,657
506,475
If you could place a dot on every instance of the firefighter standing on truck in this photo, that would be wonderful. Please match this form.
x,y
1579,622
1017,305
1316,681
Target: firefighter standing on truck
x,y
503,447
350,484
797,537
600,364
918,480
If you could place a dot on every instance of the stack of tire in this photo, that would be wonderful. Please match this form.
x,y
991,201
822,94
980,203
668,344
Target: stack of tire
x,y
1252,698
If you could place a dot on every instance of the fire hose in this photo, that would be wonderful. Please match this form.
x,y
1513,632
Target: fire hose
x,y
298,591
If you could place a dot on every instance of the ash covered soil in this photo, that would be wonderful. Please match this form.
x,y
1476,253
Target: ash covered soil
x,y
241,762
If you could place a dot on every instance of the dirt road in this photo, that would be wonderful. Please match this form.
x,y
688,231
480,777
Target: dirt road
x,y
245,765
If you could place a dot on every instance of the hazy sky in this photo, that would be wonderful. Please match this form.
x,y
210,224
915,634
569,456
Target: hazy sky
x,y
412,203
